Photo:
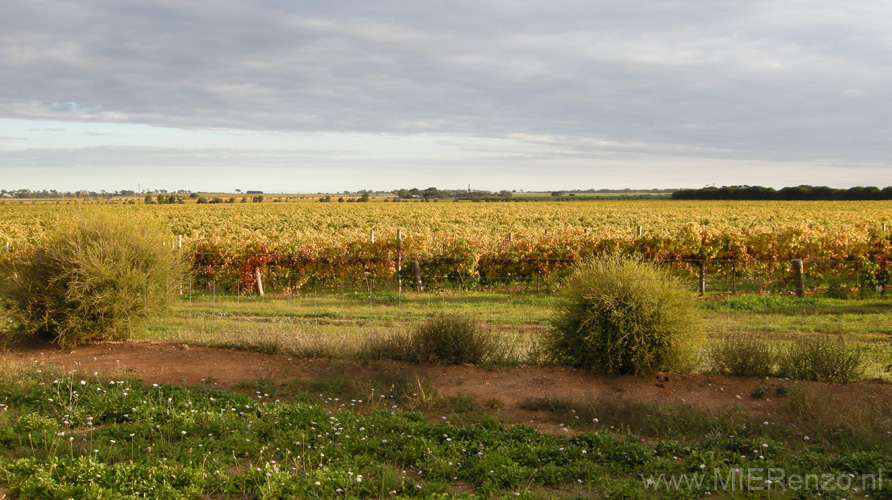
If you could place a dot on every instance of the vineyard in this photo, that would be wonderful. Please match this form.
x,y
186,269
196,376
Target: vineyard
x,y
469,244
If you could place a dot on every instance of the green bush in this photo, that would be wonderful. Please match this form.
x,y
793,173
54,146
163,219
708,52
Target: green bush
x,y
742,355
99,279
625,316
822,359
451,338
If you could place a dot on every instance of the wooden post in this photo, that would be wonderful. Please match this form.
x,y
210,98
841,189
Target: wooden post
x,y
799,277
734,277
372,235
416,274
399,258
639,230
258,283
6,247
179,242
510,236
702,277
884,228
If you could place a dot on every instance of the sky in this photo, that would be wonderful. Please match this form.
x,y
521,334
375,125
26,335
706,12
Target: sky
x,y
306,96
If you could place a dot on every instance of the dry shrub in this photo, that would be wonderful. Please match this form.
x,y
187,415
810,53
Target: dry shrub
x,y
822,359
742,355
626,316
451,338
98,279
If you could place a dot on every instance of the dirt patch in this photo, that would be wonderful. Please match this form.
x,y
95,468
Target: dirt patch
x,y
503,389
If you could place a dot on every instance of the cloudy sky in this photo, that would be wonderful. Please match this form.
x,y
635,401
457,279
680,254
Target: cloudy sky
x,y
307,96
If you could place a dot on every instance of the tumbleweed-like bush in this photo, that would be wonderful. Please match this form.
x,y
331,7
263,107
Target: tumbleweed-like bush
x,y
98,279
623,315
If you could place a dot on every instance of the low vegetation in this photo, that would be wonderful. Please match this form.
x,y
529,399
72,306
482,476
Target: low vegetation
x,y
625,316
815,358
76,436
451,338
98,279
747,355
822,359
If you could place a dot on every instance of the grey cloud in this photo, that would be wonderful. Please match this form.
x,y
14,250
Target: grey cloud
x,y
764,79
133,156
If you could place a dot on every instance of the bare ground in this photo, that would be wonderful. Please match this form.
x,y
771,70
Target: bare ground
x,y
503,389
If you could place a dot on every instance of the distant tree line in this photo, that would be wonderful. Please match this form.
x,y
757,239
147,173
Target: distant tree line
x,y
433,193
52,193
808,193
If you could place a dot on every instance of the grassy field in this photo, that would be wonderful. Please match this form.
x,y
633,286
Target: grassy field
x,y
336,325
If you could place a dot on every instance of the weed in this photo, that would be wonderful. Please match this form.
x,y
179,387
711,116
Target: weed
x,y
822,359
850,424
749,355
451,338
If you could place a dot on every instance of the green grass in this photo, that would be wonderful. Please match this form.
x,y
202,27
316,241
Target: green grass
x,y
336,325
86,437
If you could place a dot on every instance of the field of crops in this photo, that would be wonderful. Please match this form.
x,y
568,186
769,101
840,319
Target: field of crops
x,y
294,242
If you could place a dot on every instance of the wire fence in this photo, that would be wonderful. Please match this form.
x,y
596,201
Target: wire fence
x,y
310,313
275,273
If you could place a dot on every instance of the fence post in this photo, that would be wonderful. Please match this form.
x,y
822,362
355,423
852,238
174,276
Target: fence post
x,y
258,283
416,274
702,277
734,277
799,277
179,242
639,230
372,236
399,259
6,247
510,236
